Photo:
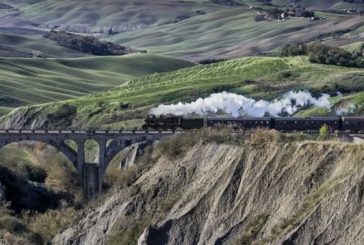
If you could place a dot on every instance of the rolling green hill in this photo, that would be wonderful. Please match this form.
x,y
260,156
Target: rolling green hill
x,y
34,81
121,14
33,46
258,77
194,30
233,33
128,15
316,4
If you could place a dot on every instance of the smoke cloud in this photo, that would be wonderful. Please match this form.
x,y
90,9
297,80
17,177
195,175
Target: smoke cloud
x,y
238,105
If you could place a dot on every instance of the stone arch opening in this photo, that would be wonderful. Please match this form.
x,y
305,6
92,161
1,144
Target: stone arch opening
x,y
44,163
91,151
71,143
116,148
66,151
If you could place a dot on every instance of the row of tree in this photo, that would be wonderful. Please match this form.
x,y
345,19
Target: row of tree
x,y
325,54
87,44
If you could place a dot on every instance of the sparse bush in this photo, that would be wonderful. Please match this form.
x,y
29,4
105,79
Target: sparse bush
x,y
263,136
252,229
123,178
294,50
5,209
128,237
62,177
324,131
10,238
51,222
177,145
17,231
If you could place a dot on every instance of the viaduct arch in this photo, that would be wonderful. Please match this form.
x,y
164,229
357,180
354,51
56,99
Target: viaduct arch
x,y
110,142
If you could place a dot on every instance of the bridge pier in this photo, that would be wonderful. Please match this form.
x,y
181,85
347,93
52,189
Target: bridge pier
x,y
90,174
91,185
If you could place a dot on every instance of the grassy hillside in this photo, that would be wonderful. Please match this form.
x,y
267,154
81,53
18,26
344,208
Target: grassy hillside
x,y
233,33
33,46
34,81
195,30
122,14
127,15
258,77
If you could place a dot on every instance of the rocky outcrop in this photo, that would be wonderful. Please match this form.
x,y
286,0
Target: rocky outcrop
x,y
258,193
59,116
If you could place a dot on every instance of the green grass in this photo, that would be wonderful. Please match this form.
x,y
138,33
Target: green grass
x,y
354,47
34,81
258,77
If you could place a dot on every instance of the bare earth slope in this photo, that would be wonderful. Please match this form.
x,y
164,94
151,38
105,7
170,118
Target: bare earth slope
x,y
264,191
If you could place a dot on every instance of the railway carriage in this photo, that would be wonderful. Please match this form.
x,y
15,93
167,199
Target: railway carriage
x,y
307,124
353,124
240,123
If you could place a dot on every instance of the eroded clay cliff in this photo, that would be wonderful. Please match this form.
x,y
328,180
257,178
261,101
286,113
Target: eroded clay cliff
x,y
259,192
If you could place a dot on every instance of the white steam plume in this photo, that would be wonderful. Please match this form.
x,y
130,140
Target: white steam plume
x,y
238,105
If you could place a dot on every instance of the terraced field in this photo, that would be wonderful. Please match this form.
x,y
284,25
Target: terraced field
x,y
258,77
34,81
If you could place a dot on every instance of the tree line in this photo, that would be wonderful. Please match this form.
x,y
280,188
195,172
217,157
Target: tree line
x,y
325,54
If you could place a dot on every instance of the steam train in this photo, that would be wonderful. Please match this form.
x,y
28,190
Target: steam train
x,y
172,122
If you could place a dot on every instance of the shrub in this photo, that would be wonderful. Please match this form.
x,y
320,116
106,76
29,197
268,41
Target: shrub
x,y
127,237
51,222
123,178
177,145
294,50
324,54
10,238
263,136
17,231
252,229
62,178
324,131
5,209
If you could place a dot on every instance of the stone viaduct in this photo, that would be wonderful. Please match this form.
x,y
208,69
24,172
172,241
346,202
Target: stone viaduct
x,y
110,143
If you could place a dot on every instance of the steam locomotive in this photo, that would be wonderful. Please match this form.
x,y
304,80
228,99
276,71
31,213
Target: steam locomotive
x,y
172,122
